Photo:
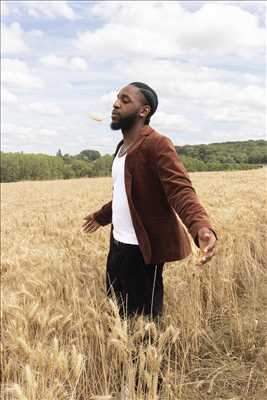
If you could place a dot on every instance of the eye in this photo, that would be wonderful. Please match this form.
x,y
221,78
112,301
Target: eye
x,y
125,99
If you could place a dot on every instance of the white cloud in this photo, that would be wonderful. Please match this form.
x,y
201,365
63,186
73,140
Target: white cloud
x,y
48,9
8,97
228,36
36,33
26,135
52,60
254,6
189,53
47,132
12,39
204,96
74,63
115,40
16,73
203,86
78,63
171,30
239,132
176,122
43,108
243,115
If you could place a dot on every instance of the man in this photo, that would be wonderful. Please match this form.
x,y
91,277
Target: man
x,y
150,188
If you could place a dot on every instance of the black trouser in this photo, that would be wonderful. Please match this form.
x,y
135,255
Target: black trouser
x,y
138,287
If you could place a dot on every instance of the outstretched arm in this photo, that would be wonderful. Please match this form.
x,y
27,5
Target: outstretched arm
x,y
182,196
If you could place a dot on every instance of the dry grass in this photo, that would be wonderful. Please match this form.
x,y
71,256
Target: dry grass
x,y
62,339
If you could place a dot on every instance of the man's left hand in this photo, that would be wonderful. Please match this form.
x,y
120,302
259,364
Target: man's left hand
x,y
207,243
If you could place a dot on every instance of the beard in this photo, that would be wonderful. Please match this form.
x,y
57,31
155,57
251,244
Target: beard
x,y
124,123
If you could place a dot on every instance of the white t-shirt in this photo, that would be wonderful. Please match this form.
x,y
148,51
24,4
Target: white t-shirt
x,y
121,218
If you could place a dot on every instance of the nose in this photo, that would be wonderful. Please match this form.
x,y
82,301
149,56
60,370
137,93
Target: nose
x,y
116,104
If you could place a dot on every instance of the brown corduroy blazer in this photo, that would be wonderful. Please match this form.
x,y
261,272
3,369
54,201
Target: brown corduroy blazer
x,y
157,187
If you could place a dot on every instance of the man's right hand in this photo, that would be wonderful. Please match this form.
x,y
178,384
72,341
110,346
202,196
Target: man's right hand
x,y
90,224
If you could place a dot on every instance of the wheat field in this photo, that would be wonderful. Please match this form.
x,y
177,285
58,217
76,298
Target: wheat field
x,y
63,339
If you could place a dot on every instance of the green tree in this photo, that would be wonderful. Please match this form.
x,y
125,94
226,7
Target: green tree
x,y
102,166
81,168
90,155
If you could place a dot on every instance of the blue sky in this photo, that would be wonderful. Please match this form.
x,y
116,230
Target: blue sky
x,y
65,60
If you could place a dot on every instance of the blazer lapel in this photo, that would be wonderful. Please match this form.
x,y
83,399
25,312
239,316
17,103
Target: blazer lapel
x,y
146,130
117,149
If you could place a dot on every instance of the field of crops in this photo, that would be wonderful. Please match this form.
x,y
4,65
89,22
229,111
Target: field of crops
x,y
62,339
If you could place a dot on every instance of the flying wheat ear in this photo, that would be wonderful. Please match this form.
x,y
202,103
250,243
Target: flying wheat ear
x,y
97,118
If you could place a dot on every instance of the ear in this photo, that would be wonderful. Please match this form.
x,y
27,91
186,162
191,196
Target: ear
x,y
145,110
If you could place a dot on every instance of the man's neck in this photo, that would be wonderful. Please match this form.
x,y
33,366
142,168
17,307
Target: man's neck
x,y
130,135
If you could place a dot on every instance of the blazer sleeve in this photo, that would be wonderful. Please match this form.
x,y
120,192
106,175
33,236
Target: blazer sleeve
x,y
104,215
178,188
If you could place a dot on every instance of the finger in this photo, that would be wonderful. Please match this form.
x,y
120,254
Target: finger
x,y
207,257
89,223
87,230
88,218
87,226
211,244
210,248
95,228
91,230
205,239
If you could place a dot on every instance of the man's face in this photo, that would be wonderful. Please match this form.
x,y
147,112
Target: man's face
x,y
128,108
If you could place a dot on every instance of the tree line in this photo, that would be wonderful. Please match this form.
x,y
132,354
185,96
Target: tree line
x,y
242,152
89,163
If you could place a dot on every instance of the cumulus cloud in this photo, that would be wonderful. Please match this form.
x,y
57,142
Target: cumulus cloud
x,y
163,120
239,132
254,6
44,108
204,59
16,73
212,29
12,39
200,85
52,60
243,115
78,63
74,63
47,9
26,135
191,97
